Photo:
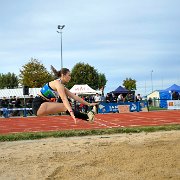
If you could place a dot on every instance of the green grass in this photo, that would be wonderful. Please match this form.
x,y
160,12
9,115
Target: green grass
x,y
152,108
71,133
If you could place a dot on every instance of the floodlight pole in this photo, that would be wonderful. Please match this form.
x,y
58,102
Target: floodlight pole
x,y
60,27
151,80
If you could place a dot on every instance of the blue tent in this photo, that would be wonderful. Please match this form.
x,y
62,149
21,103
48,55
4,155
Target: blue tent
x,y
120,89
172,88
166,95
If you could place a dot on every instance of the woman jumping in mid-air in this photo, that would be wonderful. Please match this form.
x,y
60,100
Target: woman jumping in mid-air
x,y
42,104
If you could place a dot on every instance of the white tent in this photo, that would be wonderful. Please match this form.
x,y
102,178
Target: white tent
x,y
78,89
83,89
17,92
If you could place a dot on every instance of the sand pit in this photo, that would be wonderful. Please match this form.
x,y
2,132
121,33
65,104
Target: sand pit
x,y
120,156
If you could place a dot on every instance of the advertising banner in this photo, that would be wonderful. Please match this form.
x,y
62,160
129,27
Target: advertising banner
x,y
117,107
173,104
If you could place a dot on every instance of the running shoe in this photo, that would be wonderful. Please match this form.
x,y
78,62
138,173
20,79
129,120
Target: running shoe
x,y
90,116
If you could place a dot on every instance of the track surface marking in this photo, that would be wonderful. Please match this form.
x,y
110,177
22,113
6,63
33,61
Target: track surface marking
x,y
112,120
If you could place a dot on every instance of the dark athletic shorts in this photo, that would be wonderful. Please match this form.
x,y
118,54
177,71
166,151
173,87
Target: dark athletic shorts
x,y
37,101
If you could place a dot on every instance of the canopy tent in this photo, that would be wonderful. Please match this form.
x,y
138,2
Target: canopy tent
x,y
17,92
120,89
172,88
164,95
78,89
83,89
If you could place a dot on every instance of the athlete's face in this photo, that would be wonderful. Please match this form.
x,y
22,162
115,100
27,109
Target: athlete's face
x,y
67,77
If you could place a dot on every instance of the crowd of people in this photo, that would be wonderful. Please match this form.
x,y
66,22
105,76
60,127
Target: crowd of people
x,y
109,98
16,102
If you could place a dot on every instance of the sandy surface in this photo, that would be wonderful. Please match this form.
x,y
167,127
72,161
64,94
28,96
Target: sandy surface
x,y
121,156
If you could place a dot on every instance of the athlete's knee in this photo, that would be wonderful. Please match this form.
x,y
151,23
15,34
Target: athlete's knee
x,y
42,110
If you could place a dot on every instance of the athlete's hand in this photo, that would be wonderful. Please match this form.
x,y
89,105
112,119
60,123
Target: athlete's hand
x,y
72,115
93,104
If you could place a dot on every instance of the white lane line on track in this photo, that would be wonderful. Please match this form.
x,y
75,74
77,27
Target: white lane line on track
x,y
102,124
110,122
110,126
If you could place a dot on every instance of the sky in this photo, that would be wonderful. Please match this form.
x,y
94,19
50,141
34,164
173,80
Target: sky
x,y
137,39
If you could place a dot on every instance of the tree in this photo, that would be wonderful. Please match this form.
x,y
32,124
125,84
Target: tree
x,y
129,84
9,80
85,74
102,81
34,74
12,80
2,82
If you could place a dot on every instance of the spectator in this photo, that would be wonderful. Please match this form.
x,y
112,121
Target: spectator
x,y
4,104
150,101
114,98
10,102
85,106
120,98
108,98
13,101
81,106
17,105
103,98
91,99
175,95
128,97
29,105
138,97
97,99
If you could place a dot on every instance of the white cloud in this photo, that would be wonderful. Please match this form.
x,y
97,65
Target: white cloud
x,y
119,38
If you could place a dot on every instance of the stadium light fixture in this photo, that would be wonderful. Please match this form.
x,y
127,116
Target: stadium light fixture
x,y
60,27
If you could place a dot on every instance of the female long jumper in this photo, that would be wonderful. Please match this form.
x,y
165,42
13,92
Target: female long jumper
x,y
42,104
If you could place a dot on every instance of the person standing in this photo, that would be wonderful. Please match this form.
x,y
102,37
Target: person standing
x,y
4,104
175,95
29,105
114,98
120,98
138,97
17,105
97,99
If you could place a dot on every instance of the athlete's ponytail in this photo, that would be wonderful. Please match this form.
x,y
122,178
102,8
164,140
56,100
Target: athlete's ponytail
x,y
58,74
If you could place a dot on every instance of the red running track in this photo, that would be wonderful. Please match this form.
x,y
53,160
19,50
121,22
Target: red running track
x,y
113,120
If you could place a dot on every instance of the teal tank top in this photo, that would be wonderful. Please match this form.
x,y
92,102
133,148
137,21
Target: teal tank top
x,y
48,92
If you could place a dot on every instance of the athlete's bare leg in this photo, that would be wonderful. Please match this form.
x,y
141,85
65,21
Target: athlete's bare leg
x,y
50,108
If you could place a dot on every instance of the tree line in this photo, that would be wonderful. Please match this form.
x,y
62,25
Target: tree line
x,y
35,75
9,80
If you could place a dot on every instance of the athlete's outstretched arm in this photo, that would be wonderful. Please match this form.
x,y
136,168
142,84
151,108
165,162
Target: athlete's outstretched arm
x,y
61,91
77,98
